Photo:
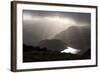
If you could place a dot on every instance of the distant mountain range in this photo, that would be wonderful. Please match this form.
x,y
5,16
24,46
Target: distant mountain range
x,y
76,37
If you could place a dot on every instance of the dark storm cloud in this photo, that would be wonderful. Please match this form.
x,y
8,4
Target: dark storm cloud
x,y
41,25
78,17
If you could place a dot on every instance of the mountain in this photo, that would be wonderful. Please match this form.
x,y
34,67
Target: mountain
x,y
76,37
52,44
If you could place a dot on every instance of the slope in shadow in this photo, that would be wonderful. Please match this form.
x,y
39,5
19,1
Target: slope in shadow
x,y
37,54
76,37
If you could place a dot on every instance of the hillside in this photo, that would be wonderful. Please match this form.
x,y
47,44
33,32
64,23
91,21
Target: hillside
x,y
37,54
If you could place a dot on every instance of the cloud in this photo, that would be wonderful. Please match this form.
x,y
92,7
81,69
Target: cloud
x,y
41,25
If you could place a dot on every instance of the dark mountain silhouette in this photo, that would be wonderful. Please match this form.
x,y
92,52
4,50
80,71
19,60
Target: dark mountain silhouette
x,y
53,44
87,54
37,54
27,48
76,37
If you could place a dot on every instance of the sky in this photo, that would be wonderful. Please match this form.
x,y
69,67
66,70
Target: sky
x,y
41,25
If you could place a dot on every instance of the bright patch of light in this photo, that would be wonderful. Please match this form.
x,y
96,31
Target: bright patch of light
x,y
49,19
70,50
60,20
29,17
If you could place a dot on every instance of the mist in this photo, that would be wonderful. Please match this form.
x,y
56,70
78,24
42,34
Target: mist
x,y
41,25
